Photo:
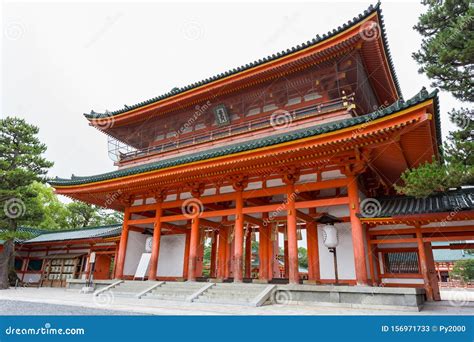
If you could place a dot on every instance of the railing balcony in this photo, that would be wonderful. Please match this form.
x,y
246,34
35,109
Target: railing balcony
x,y
184,141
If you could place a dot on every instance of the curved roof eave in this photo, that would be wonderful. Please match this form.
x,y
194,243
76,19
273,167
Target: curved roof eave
x,y
318,39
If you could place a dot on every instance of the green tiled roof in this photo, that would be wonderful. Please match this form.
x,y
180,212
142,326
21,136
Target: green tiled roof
x,y
372,9
399,105
455,200
33,232
77,234
451,254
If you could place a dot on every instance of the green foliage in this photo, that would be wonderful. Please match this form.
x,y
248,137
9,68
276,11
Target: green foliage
x,y
21,164
447,51
447,56
55,214
303,257
463,269
433,177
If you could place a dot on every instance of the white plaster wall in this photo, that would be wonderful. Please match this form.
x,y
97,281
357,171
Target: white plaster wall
x,y
171,258
334,174
135,249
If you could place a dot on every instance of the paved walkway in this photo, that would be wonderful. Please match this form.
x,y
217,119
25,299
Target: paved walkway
x,y
73,302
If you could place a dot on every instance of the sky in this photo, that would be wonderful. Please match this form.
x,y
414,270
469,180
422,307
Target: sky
x,y
62,59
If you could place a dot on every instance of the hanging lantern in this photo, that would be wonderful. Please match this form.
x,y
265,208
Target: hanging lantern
x,y
299,235
148,244
330,236
272,233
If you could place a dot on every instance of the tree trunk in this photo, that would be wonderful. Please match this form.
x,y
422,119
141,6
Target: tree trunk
x,y
5,262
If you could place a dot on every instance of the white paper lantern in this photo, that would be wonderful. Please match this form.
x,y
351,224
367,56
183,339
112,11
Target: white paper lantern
x,y
330,236
148,244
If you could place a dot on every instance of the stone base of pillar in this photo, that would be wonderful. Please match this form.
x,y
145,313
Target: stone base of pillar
x,y
215,280
260,281
311,282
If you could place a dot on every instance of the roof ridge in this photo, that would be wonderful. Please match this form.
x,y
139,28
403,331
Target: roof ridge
x,y
317,39
81,228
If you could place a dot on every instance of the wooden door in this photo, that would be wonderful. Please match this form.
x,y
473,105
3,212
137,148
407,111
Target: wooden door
x,y
102,266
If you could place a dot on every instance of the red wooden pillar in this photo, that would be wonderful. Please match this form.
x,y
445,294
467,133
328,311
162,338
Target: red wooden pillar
x,y
221,253
193,248
248,253
155,251
313,252
238,236
357,232
228,257
263,252
371,251
286,261
212,271
122,245
430,263
186,254
273,250
423,263
292,235
200,255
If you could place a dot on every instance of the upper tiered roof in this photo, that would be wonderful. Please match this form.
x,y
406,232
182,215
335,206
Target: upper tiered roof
x,y
318,48
397,106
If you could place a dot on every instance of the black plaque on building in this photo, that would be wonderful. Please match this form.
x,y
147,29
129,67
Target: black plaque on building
x,y
221,115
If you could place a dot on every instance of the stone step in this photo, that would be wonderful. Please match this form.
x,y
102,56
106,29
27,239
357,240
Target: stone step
x,y
168,290
184,286
241,286
124,293
205,299
232,294
167,296
236,290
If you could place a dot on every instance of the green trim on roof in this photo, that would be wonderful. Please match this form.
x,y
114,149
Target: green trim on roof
x,y
454,200
69,234
397,106
175,91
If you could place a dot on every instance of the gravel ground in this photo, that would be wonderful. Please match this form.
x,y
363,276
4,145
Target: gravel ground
x,y
13,307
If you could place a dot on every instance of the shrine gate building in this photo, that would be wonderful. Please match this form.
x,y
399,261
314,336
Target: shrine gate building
x,y
263,151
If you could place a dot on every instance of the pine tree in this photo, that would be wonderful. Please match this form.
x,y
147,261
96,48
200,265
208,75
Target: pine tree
x,y
447,57
21,164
